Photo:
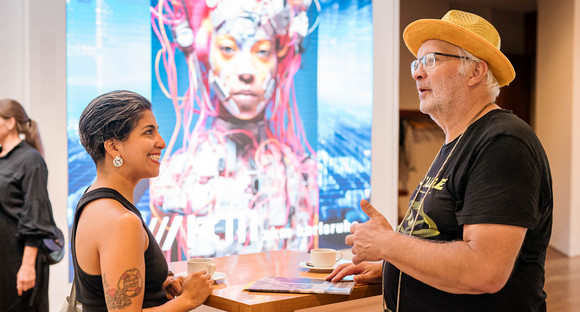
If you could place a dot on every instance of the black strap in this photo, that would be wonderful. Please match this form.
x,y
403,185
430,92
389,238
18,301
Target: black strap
x,y
94,195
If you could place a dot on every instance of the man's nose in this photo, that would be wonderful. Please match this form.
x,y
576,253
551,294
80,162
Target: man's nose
x,y
419,73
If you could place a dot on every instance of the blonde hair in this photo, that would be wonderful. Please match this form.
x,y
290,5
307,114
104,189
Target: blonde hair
x,y
24,125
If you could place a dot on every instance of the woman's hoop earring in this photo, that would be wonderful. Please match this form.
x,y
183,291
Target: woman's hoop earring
x,y
118,161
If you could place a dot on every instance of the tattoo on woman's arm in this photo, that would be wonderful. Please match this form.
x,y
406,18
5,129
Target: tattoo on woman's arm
x,y
129,285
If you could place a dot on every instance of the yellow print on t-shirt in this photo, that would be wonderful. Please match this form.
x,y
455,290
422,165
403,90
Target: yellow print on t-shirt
x,y
424,226
428,181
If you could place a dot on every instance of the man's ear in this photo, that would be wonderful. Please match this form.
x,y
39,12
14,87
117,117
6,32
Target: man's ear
x,y
478,73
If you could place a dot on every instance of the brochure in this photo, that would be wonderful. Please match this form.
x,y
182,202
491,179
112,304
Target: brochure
x,y
301,285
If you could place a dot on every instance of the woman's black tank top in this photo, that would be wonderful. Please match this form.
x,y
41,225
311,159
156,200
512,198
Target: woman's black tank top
x,y
89,287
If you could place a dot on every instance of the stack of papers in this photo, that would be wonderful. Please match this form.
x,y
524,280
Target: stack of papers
x,y
301,285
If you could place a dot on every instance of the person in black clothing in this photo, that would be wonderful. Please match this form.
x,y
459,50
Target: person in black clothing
x,y
117,262
25,212
475,235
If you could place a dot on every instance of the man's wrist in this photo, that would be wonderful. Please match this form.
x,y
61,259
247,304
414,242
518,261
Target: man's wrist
x,y
389,241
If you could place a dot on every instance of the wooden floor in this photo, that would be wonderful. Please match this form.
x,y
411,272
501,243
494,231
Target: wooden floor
x,y
562,282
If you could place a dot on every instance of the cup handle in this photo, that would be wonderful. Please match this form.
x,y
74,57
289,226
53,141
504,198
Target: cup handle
x,y
211,268
338,255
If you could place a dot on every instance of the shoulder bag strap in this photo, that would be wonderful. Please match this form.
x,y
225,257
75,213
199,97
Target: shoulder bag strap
x,y
72,299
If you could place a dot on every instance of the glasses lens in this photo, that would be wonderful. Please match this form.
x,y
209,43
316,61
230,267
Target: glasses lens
x,y
429,61
414,66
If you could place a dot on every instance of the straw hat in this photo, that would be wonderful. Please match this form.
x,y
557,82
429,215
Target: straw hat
x,y
468,31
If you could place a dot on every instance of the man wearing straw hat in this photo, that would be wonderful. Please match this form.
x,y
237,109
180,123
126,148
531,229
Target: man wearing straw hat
x,y
475,235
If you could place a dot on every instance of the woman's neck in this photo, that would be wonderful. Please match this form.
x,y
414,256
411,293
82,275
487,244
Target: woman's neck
x,y
116,182
9,143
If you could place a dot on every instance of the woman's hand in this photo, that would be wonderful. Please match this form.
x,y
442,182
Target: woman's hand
x,y
173,286
26,276
196,287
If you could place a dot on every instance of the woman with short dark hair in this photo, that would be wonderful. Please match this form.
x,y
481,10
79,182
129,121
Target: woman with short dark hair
x,y
118,264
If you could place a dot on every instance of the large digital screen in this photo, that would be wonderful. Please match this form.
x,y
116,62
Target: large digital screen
x,y
265,107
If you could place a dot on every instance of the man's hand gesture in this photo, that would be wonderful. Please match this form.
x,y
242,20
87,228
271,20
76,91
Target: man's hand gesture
x,y
368,238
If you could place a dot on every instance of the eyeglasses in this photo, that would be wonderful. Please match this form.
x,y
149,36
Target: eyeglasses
x,y
428,61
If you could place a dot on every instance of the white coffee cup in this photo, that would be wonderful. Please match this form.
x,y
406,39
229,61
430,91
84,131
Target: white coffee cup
x,y
324,257
201,264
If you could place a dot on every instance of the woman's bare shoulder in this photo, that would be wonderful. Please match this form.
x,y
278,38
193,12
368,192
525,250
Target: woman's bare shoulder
x,y
108,215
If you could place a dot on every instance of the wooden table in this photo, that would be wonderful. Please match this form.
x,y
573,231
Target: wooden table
x,y
230,295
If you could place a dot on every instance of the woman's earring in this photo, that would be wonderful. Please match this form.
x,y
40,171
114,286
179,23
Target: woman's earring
x,y
118,161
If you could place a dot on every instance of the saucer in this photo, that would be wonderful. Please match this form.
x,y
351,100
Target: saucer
x,y
218,277
308,265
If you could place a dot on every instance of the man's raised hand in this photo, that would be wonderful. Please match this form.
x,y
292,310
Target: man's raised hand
x,y
367,238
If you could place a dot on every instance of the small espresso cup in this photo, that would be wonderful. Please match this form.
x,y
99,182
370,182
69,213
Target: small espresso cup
x,y
324,257
201,264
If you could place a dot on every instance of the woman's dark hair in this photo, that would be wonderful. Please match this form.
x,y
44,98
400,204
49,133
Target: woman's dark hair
x,y
112,115
24,125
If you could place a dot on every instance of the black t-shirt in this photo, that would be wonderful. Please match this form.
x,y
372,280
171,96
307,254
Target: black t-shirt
x,y
498,174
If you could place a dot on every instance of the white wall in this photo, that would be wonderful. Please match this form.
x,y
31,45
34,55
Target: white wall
x,y
12,58
385,131
46,94
557,115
